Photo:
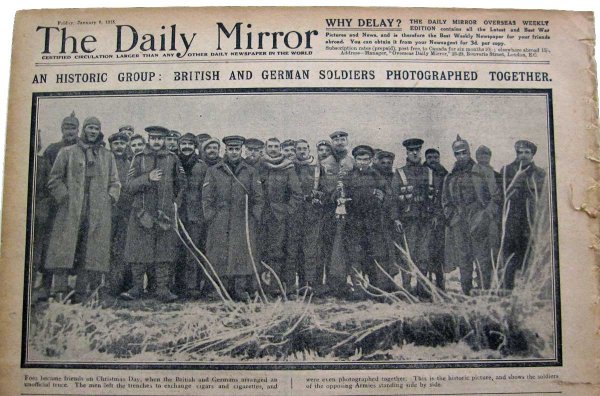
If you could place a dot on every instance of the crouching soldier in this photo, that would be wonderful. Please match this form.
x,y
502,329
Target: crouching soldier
x,y
155,179
232,199
85,186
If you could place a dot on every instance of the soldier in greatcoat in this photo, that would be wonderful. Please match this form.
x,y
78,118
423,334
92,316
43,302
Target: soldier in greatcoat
x,y
85,185
471,204
232,199
523,193
155,180
189,275
120,273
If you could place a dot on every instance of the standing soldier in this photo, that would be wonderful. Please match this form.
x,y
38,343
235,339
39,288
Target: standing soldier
x,y
210,152
282,195
120,273
188,275
414,193
172,141
524,183
69,129
470,202
85,185
137,143
306,223
254,151
367,191
232,200
155,179
436,242
323,149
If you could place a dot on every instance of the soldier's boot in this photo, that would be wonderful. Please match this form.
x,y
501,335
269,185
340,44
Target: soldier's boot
x,y
163,280
137,280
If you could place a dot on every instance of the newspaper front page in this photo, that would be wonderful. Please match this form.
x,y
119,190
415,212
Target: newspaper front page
x,y
267,201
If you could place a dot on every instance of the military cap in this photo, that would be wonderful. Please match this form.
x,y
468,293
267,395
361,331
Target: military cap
x,y
71,120
335,134
174,134
188,137
155,130
413,143
254,143
126,128
361,150
91,121
119,136
233,140
431,151
460,144
526,144
381,154
323,143
288,143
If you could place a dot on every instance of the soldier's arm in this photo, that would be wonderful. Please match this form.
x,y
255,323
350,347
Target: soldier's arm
x,y
114,185
56,180
209,195
137,181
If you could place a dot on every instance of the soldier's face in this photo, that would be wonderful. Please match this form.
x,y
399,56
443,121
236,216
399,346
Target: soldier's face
x,y
432,159
289,152
137,145
212,151
234,152
91,132
323,151
69,133
363,161
156,142
253,153
339,143
171,143
484,159
462,156
386,163
273,148
413,155
118,147
186,147
302,151
524,155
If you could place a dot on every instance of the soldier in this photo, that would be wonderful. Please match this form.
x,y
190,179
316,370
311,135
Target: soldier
x,y
254,151
282,194
120,273
323,149
414,193
69,129
232,200
436,246
200,139
155,179
137,143
288,149
188,275
129,131
470,201
306,223
85,185
367,191
524,183
210,152
172,141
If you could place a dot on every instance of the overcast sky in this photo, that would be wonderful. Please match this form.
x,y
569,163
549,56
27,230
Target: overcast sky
x,y
380,120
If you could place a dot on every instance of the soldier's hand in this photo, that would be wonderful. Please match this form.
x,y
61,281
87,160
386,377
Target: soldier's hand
x,y
155,175
379,194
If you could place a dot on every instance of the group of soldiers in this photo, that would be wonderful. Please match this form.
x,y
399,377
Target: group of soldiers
x,y
130,218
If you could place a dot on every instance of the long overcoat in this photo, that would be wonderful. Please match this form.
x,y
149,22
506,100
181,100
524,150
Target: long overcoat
x,y
224,203
66,184
153,245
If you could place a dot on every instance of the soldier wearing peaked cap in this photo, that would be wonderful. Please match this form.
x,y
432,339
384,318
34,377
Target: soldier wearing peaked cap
x,y
232,198
254,151
172,141
415,197
525,183
471,203
155,181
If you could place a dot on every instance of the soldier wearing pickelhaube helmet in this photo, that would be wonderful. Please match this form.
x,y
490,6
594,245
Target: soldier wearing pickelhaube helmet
x,y
70,130
415,194
471,203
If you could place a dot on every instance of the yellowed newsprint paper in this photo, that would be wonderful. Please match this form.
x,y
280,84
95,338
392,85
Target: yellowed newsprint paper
x,y
301,201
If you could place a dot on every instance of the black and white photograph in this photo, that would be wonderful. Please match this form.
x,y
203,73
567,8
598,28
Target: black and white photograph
x,y
290,228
